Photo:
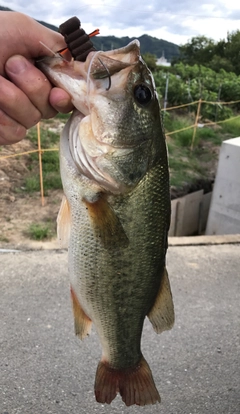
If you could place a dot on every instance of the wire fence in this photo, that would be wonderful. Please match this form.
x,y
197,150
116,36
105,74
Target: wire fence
x,y
194,126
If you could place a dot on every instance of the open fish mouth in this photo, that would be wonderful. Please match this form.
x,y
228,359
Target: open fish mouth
x,y
77,78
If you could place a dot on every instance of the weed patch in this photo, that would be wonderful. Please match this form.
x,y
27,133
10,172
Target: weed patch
x,y
232,127
39,231
4,239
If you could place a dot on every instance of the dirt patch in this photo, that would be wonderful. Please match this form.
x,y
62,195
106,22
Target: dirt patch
x,y
19,210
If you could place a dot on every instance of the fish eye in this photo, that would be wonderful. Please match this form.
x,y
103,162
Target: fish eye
x,y
142,94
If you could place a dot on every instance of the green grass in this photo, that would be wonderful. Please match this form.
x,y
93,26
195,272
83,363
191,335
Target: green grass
x,y
173,123
4,239
51,181
187,166
206,133
209,134
49,139
37,231
231,127
50,165
184,138
63,117
50,161
32,184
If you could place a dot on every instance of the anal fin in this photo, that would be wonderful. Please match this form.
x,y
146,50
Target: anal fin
x,y
82,323
106,223
162,313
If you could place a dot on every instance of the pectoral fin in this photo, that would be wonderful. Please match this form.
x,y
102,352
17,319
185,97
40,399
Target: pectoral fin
x,y
64,223
162,313
82,323
106,224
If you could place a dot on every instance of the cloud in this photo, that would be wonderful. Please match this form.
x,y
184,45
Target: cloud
x,y
175,20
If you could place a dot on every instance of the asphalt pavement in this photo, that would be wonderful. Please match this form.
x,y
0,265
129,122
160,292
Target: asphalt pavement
x,y
45,369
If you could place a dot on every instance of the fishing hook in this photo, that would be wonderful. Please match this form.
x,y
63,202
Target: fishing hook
x,y
108,74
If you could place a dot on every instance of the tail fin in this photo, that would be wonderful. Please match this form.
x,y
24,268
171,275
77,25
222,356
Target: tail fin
x,y
135,385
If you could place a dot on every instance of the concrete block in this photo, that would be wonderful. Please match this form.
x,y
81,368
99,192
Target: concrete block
x,y
190,223
204,211
224,214
185,215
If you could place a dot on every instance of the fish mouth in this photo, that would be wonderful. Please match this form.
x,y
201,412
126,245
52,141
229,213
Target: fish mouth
x,y
76,78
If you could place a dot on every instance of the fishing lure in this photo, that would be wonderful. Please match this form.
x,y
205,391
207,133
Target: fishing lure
x,y
77,40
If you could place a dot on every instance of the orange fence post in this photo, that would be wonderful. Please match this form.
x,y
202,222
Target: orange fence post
x,y
196,123
40,164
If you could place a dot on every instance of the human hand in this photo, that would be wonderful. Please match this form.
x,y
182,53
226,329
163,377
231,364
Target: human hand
x,y
26,95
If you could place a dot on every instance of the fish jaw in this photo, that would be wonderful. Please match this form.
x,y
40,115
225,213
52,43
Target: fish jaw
x,y
74,76
68,75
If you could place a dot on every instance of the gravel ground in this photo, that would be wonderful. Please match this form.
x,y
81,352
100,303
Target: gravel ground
x,y
196,365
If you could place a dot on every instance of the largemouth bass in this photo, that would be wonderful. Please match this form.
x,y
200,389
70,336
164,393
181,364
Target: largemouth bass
x,y
116,213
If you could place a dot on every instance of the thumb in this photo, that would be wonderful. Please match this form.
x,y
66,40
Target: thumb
x,y
37,36
26,37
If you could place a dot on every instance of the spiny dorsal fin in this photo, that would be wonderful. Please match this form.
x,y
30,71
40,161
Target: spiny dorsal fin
x,y
162,313
106,224
64,223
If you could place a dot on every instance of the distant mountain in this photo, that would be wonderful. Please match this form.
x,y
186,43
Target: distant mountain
x,y
5,8
149,44
50,26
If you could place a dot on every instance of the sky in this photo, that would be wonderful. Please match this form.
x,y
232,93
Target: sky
x,y
176,21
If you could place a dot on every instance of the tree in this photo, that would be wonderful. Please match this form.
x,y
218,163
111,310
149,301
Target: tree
x,y
224,54
232,50
219,62
198,50
150,61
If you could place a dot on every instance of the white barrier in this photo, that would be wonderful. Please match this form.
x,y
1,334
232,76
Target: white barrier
x,y
189,214
224,214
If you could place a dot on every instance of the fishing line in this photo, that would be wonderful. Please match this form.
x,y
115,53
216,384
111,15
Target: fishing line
x,y
89,74
108,73
55,54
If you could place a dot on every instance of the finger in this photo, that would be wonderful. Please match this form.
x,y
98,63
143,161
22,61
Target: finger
x,y
32,82
60,100
10,130
26,37
15,104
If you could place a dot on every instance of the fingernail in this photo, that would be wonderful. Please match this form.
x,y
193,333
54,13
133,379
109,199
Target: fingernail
x,y
16,65
63,103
